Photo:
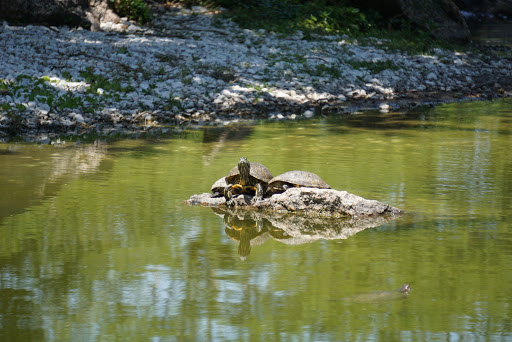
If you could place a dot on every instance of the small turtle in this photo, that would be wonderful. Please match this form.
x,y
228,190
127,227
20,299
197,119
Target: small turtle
x,y
380,296
300,179
247,178
218,187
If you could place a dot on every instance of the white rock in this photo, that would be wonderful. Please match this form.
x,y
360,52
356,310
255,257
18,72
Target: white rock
x,y
180,67
77,117
431,76
308,114
106,26
66,122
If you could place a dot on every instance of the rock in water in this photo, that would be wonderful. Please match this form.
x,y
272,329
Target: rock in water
x,y
309,201
326,201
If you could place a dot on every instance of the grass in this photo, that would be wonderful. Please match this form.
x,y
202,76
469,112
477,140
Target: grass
x,y
98,81
45,91
136,10
285,16
375,67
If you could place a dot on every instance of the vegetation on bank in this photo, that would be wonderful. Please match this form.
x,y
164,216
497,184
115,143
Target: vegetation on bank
x,y
312,18
136,10
325,17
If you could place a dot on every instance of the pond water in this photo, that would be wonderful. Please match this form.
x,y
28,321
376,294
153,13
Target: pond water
x,y
96,245
493,33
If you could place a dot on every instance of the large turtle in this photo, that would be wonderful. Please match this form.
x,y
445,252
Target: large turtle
x,y
247,178
300,179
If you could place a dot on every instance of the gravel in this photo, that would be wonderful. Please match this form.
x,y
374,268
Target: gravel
x,y
191,67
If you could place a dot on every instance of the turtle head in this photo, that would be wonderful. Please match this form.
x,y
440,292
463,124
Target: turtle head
x,y
405,289
244,167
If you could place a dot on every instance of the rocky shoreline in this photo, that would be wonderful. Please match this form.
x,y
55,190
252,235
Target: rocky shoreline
x,y
191,67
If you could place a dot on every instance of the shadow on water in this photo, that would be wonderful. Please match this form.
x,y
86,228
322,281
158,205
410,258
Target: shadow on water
x,y
456,119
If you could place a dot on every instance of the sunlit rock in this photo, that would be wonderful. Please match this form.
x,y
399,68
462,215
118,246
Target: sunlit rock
x,y
308,201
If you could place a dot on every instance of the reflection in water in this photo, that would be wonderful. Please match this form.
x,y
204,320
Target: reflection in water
x,y
115,256
253,228
247,229
40,172
492,33
76,161
215,140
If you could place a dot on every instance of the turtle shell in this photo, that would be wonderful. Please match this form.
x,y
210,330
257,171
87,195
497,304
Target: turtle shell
x,y
258,171
297,179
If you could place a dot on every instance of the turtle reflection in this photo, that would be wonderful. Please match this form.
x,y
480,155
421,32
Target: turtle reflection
x,y
248,231
253,228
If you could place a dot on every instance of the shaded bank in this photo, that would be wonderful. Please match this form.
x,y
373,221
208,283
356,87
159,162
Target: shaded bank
x,y
211,72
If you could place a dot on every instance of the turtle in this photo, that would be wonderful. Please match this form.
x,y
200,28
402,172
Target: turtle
x,y
300,179
247,178
218,187
380,296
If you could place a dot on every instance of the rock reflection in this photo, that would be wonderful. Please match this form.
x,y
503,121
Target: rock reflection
x,y
78,160
253,228
30,174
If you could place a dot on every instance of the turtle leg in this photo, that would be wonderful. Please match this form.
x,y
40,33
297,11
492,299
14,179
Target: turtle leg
x,y
231,191
260,191
228,195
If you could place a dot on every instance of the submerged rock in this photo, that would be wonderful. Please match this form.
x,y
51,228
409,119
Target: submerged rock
x,y
309,201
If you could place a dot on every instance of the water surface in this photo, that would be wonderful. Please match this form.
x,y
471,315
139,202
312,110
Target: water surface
x,y
96,245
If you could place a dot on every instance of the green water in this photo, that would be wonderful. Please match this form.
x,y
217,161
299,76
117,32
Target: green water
x,y
96,245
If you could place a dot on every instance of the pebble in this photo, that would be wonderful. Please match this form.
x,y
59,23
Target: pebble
x,y
308,114
431,76
127,69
